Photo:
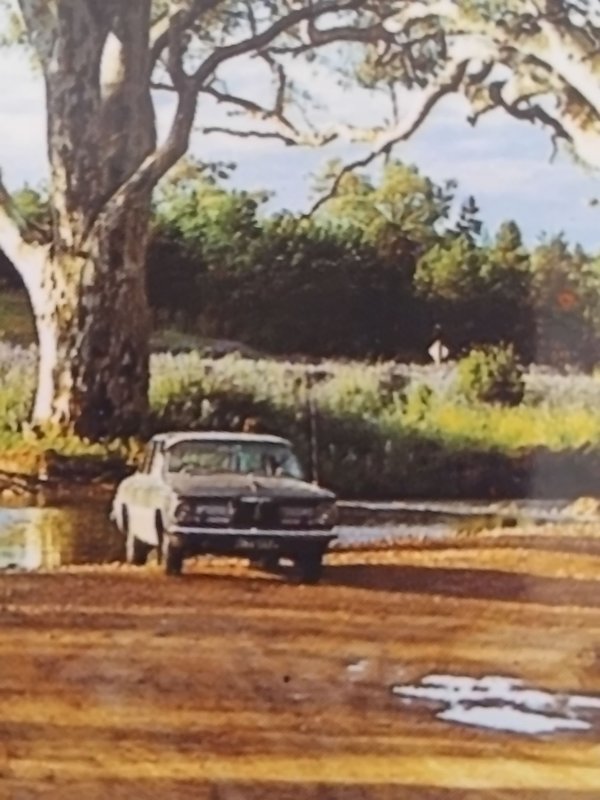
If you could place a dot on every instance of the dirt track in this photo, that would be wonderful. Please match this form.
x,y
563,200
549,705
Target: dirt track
x,y
230,684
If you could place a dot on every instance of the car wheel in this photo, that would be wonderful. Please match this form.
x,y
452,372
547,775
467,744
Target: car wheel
x,y
267,563
311,568
172,555
136,552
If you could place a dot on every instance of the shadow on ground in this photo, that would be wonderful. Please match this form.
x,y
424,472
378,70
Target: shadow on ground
x,y
478,584
276,790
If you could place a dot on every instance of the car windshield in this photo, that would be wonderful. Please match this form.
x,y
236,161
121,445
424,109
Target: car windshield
x,y
200,457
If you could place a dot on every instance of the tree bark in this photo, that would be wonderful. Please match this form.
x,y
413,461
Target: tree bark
x,y
88,295
93,329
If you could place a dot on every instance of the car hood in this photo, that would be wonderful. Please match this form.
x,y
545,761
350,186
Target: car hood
x,y
230,486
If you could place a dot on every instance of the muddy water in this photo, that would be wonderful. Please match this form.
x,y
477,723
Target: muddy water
x,y
45,538
48,537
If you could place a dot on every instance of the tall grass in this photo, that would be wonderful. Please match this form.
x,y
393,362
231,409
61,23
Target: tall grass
x,y
385,429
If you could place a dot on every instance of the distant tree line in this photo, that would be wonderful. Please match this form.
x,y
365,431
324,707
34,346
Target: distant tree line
x,y
378,271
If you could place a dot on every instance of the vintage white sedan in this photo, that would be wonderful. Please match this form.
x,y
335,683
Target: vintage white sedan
x,y
224,493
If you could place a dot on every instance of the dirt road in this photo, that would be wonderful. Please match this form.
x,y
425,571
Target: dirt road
x,y
233,685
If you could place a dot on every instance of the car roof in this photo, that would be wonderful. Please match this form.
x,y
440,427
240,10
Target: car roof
x,y
172,437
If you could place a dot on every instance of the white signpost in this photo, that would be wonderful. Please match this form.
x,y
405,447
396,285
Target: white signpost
x,y
438,352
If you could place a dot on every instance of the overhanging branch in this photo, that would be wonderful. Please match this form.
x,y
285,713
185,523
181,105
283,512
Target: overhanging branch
x,y
252,134
262,40
273,115
176,20
397,134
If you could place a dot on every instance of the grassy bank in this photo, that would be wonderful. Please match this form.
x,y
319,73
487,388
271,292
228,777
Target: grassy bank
x,y
386,430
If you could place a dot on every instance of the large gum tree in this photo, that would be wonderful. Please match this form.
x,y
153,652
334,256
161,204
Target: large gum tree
x,y
103,61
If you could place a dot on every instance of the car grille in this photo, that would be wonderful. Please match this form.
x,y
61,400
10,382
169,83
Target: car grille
x,y
245,513
256,514
296,516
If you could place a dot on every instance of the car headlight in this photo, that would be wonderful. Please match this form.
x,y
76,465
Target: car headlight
x,y
326,514
322,515
186,512
203,512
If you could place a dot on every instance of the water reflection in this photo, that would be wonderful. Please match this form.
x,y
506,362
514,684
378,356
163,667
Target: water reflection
x,y
47,538
79,531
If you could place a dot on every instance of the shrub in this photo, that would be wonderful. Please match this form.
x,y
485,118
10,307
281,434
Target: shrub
x,y
492,375
385,430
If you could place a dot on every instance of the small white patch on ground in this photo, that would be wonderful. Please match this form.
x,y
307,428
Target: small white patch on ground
x,y
357,668
501,703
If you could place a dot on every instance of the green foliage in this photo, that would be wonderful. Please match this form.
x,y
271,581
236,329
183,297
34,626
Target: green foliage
x,y
16,320
469,223
33,208
492,375
309,289
385,430
478,294
450,270
566,303
32,212
376,274
192,203
404,203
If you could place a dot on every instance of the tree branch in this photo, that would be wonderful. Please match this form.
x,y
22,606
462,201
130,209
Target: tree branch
x,y
41,27
154,166
398,134
530,112
263,39
254,109
315,37
177,19
289,141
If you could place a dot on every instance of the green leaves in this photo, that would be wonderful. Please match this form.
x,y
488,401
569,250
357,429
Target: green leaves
x,y
492,375
403,202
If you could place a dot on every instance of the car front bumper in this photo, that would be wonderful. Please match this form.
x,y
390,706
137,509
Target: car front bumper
x,y
240,541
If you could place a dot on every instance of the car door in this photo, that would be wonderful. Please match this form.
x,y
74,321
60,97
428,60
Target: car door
x,y
140,497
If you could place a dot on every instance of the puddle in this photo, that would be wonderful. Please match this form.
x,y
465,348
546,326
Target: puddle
x,y
349,535
47,538
526,510
502,704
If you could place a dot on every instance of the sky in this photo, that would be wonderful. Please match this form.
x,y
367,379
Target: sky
x,y
504,163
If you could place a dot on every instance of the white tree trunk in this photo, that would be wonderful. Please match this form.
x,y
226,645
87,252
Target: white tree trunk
x,y
92,323
88,290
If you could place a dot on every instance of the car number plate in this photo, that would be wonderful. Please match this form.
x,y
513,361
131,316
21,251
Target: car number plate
x,y
245,543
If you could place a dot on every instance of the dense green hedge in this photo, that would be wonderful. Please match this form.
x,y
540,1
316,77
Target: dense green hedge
x,y
371,276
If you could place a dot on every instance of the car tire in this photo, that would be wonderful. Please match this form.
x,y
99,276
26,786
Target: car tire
x,y
311,569
136,552
269,563
172,556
